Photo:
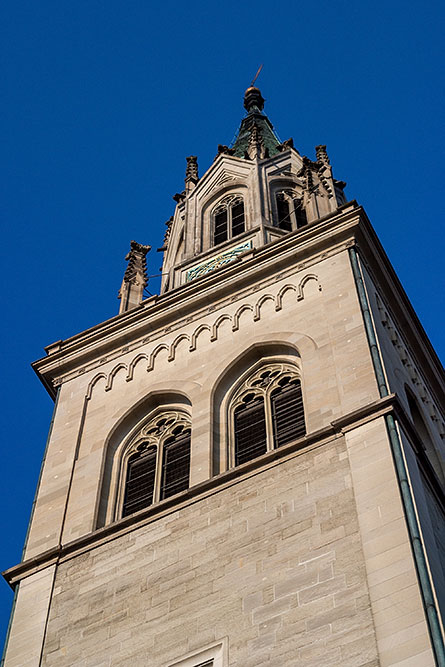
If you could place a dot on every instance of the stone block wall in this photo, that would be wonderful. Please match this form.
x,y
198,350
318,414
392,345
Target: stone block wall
x,y
318,317
273,562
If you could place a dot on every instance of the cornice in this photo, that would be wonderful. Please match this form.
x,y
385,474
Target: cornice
x,y
399,306
189,301
217,484
251,272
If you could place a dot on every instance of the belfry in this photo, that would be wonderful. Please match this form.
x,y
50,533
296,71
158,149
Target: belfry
x,y
248,468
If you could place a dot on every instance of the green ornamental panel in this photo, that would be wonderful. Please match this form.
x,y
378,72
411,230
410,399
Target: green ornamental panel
x,y
217,261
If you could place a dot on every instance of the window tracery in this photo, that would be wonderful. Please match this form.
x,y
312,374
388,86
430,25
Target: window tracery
x,y
228,218
266,412
156,464
289,210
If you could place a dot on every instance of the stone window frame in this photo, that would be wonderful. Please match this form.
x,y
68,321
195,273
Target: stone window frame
x,y
149,433
252,384
227,202
291,195
212,655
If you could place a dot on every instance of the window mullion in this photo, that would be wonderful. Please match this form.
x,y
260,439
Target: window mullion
x,y
269,420
292,214
158,475
232,443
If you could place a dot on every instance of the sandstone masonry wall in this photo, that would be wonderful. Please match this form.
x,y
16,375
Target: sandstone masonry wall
x,y
274,563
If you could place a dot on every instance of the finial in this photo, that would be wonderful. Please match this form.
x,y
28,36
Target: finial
x,y
135,277
252,96
191,172
322,156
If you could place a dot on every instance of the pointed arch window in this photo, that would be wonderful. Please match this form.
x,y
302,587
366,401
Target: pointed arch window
x,y
266,412
156,464
250,429
290,212
228,219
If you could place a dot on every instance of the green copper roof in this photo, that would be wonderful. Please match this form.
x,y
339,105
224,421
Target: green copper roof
x,y
254,103
270,139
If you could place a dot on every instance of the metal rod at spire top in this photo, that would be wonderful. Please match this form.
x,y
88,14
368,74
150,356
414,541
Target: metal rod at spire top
x,y
257,75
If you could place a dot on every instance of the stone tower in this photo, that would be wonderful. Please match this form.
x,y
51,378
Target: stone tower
x,y
246,469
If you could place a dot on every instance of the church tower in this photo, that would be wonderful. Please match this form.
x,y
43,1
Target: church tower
x,y
248,468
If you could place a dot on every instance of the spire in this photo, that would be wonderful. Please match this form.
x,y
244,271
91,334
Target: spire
x,y
256,136
135,277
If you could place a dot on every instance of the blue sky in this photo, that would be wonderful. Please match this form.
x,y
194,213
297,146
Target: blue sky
x,y
103,101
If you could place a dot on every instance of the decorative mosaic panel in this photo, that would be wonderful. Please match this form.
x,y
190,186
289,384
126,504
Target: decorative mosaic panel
x,y
217,261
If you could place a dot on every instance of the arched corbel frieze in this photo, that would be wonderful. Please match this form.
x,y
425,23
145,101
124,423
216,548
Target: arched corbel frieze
x,y
303,282
281,293
213,330
219,322
112,374
134,362
174,345
93,383
158,349
261,301
195,335
236,318
409,364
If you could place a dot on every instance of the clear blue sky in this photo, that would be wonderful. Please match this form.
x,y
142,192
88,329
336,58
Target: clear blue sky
x,y
103,101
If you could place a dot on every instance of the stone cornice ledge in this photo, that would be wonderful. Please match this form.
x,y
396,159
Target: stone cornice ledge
x,y
158,311
203,490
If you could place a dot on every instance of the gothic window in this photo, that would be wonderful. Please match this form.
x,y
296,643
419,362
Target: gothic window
x,y
290,212
228,219
139,486
250,428
283,210
266,412
157,461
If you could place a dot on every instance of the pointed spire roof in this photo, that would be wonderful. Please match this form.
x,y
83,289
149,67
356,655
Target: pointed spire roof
x,y
255,120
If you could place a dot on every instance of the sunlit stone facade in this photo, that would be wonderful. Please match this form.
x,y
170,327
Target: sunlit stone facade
x,y
222,479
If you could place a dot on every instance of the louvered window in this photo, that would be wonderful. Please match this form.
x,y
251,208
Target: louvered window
x,y
267,412
290,212
287,412
228,219
157,463
300,213
283,208
250,429
221,227
237,219
176,464
139,487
